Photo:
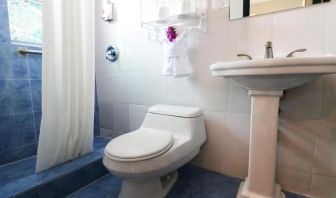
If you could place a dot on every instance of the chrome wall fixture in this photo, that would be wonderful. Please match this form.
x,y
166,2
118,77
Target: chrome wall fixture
x,y
112,53
24,51
107,11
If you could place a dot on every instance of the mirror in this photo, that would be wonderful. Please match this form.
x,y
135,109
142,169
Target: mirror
x,y
244,8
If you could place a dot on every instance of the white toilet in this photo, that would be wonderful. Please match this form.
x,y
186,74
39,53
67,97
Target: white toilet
x,y
147,158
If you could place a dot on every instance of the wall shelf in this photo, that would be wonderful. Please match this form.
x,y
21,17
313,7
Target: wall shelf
x,y
175,14
193,20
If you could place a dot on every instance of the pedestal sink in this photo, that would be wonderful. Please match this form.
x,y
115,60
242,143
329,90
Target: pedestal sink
x,y
266,79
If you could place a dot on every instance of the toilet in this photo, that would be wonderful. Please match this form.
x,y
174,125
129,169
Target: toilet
x,y
147,158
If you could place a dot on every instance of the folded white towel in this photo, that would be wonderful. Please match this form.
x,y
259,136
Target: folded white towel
x,y
176,61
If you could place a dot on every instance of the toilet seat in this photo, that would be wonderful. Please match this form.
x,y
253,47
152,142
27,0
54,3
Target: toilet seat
x,y
139,145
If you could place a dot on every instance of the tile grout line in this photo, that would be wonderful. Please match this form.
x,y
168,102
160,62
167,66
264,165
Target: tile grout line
x,y
16,161
93,182
31,98
315,154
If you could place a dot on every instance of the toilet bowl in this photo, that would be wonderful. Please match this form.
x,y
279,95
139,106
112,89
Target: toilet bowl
x,y
147,159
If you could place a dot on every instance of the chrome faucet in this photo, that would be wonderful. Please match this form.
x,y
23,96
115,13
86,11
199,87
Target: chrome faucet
x,y
269,50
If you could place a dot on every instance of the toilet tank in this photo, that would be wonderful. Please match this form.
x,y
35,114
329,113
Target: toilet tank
x,y
183,122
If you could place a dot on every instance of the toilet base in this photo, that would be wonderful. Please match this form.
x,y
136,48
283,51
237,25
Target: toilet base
x,y
152,187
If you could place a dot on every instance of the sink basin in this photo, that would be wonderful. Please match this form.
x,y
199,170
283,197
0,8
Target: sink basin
x,y
266,79
275,74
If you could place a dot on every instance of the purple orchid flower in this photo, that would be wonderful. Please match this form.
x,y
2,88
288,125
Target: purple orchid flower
x,y
171,34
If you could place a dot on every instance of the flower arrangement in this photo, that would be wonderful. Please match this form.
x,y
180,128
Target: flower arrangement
x,y
171,34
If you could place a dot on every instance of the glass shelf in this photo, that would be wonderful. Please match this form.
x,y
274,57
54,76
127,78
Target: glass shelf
x,y
157,15
190,19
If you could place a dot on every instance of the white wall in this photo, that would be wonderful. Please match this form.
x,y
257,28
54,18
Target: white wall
x,y
307,126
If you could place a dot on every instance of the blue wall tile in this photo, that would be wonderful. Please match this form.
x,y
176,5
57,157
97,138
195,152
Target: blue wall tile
x,y
12,65
18,131
3,2
38,116
15,97
34,63
8,156
36,94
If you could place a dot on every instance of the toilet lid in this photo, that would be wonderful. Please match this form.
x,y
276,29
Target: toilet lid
x,y
139,145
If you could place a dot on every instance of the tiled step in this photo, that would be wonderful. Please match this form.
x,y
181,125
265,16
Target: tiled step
x,y
19,179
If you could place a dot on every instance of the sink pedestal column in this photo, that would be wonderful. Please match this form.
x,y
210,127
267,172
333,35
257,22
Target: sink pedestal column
x,y
260,182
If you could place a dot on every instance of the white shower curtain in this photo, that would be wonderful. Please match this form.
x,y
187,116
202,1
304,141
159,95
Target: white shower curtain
x,y
67,81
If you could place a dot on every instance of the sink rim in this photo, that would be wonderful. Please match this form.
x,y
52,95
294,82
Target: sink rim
x,y
275,62
277,66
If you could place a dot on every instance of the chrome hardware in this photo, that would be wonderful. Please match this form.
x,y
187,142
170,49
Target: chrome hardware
x,y
290,55
245,55
112,53
107,11
24,51
269,50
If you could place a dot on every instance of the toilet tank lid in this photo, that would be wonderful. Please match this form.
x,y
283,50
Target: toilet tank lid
x,y
178,111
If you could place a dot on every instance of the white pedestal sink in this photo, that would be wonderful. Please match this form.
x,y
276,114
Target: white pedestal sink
x,y
266,79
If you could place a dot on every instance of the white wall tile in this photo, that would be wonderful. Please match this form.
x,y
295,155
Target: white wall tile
x,y
328,97
112,87
137,115
136,87
300,28
250,35
120,118
109,133
294,181
211,93
238,101
323,187
105,114
227,134
330,40
227,165
304,102
181,91
133,56
326,149
154,55
156,88
296,143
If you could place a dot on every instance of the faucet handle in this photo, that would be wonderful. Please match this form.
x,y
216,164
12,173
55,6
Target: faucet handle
x,y
269,44
245,55
290,55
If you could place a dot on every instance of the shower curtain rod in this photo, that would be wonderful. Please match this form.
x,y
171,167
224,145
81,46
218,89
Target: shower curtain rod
x,y
24,51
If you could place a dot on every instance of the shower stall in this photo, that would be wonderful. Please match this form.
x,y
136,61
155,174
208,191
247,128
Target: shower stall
x,y
21,111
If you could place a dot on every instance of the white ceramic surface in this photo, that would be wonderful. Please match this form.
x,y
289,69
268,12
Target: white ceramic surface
x,y
188,134
134,146
266,79
178,111
275,74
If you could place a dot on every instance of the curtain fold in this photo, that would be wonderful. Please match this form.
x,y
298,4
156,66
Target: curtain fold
x,y
68,77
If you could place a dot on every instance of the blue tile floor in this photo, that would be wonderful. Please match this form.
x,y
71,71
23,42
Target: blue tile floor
x,y
193,182
20,176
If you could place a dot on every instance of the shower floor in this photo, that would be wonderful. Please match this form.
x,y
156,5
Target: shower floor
x,y
20,180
